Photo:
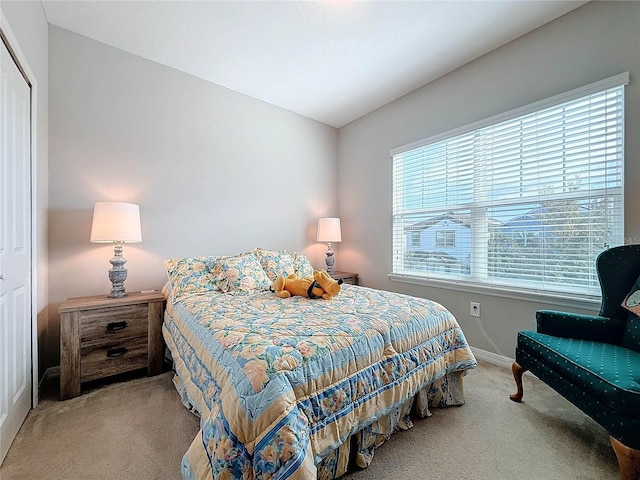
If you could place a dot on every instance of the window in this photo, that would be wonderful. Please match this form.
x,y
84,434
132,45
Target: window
x,y
445,238
534,194
415,240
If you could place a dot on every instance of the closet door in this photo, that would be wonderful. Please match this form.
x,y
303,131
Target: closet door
x,y
15,249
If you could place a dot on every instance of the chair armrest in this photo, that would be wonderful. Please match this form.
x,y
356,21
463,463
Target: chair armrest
x,y
581,327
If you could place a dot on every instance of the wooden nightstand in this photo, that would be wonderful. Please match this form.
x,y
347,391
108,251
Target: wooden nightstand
x,y
346,277
102,336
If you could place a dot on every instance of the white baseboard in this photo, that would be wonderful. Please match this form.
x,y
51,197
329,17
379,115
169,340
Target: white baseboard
x,y
493,358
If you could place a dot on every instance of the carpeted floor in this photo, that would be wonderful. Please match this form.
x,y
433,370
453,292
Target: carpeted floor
x,y
139,430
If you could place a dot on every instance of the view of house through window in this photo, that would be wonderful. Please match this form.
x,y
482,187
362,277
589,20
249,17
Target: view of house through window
x,y
525,200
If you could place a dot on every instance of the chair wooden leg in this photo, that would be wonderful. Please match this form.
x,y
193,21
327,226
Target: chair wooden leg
x,y
628,460
517,375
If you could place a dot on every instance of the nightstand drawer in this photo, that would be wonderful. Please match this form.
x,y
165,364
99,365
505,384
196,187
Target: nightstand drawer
x,y
113,357
103,326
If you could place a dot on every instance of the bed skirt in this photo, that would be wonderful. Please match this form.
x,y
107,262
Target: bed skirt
x,y
358,450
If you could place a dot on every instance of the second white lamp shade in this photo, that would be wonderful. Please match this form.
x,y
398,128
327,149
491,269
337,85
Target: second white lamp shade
x,y
329,230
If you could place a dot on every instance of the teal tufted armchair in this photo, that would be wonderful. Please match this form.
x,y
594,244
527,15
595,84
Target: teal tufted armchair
x,y
594,361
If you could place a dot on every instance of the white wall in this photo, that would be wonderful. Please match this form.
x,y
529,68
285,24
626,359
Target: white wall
x,y
596,41
215,172
29,25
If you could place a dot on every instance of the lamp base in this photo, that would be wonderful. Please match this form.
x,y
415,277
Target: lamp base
x,y
329,260
117,274
117,293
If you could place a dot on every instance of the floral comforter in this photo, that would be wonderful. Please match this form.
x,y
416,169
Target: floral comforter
x,y
279,384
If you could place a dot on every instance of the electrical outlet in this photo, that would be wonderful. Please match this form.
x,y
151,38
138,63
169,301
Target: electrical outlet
x,y
474,309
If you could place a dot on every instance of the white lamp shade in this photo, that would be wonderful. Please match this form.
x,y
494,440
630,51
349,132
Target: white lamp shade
x,y
116,222
329,230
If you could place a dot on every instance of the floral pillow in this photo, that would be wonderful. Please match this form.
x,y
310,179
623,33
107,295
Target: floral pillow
x,y
189,276
275,263
631,336
240,272
302,265
632,300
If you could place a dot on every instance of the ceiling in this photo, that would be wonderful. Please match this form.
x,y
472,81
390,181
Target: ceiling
x,y
332,61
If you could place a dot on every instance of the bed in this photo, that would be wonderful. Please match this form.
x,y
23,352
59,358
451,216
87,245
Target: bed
x,y
298,388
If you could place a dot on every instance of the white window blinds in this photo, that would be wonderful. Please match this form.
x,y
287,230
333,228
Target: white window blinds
x,y
527,202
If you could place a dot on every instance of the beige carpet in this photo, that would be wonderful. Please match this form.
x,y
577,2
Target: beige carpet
x,y
139,430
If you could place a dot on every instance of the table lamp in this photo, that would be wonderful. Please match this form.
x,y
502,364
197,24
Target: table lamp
x,y
118,223
329,231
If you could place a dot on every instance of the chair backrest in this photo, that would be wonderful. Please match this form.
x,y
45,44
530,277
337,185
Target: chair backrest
x,y
618,268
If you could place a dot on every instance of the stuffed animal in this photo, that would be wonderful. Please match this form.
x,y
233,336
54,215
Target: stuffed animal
x,y
321,285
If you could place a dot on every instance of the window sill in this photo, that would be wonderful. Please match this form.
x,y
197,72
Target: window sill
x,y
564,300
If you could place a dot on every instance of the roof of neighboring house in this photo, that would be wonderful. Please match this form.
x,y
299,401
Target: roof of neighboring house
x,y
528,218
437,255
532,219
463,220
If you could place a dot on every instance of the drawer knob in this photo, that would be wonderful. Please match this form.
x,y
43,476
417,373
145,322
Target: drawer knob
x,y
116,326
116,352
